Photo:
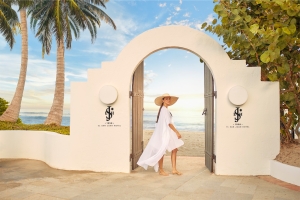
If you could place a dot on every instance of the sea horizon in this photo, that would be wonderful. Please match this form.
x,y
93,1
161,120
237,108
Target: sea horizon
x,y
187,120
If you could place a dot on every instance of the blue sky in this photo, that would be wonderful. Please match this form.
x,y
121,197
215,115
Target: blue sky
x,y
177,72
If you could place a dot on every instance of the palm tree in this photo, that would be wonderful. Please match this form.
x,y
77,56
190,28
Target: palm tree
x,y
12,112
8,21
64,18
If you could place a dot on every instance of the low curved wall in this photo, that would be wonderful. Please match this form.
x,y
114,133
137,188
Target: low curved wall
x,y
286,173
52,148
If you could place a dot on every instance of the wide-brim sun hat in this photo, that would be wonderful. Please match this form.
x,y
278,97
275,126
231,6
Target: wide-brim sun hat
x,y
159,100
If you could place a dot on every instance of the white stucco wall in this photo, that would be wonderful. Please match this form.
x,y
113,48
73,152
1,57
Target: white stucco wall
x,y
52,148
286,173
239,151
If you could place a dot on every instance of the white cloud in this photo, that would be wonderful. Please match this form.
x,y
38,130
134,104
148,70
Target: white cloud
x,y
149,76
184,22
162,5
39,72
187,14
208,20
180,1
40,80
187,22
3,43
168,22
177,8
110,42
82,74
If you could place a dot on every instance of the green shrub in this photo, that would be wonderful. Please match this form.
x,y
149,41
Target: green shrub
x,y
3,105
65,130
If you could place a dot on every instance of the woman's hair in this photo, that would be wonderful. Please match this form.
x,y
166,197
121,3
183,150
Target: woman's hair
x,y
159,112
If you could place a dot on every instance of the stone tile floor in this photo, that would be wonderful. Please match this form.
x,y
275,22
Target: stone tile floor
x,y
31,179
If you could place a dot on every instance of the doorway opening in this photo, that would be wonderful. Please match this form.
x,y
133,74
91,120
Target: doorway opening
x,y
179,73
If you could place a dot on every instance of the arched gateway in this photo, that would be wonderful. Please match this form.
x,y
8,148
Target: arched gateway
x,y
247,110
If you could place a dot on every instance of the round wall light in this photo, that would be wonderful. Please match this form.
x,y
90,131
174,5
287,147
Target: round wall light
x,y
108,94
238,95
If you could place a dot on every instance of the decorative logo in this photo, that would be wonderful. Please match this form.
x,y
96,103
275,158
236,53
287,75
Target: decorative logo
x,y
109,113
238,114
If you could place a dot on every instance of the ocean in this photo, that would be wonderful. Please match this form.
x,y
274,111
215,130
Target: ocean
x,y
183,120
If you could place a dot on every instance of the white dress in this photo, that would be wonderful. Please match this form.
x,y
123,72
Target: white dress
x,y
162,139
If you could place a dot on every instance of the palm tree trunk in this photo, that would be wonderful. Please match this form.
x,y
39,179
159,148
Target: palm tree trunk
x,y
12,112
56,111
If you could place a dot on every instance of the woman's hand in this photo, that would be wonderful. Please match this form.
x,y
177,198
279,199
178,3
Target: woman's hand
x,y
178,135
174,129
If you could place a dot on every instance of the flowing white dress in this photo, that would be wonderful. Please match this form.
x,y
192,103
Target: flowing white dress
x,y
162,139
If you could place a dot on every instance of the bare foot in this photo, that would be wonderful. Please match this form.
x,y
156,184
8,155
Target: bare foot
x,y
163,173
176,172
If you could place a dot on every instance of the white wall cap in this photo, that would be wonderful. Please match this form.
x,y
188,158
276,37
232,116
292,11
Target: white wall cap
x,y
237,95
108,94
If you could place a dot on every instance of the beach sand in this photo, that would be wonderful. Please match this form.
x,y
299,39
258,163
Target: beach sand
x,y
193,143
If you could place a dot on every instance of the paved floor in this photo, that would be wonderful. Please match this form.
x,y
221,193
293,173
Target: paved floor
x,y
30,179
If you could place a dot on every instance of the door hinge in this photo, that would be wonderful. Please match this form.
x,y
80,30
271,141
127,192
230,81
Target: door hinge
x,y
204,111
130,157
215,94
215,158
130,94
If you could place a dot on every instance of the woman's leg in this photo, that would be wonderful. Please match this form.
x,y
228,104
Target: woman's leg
x,y
173,159
160,165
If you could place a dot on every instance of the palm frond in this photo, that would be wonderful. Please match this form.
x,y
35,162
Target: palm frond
x,y
75,27
65,18
102,15
8,22
23,4
97,2
57,28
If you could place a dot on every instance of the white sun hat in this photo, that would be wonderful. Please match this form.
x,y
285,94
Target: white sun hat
x,y
159,100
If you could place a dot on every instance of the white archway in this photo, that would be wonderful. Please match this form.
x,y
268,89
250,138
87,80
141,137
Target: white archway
x,y
240,149
243,148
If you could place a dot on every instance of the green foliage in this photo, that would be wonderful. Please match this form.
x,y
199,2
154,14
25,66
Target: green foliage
x,y
65,130
265,33
3,105
8,21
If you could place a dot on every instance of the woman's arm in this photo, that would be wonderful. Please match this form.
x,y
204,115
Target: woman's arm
x,y
174,129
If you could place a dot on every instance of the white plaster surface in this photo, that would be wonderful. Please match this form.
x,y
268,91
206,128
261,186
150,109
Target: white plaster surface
x,y
286,173
52,148
93,145
237,95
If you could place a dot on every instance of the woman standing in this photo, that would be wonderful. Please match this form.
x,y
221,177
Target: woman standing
x,y
165,137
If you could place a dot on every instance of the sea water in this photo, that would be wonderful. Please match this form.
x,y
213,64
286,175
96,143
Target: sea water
x,y
40,117
183,120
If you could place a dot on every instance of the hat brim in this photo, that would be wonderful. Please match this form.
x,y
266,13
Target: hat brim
x,y
159,100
